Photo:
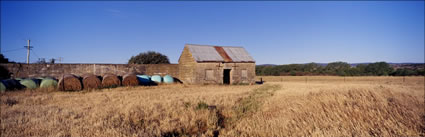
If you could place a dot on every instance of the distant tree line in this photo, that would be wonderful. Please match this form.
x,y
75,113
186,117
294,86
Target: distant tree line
x,y
337,69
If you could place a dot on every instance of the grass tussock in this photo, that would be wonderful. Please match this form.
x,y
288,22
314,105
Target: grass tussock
x,y
369,108
246,106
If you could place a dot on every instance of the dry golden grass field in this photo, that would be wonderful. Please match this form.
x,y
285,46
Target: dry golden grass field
x,y
282,106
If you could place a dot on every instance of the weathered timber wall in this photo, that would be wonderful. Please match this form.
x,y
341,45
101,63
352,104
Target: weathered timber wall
x,y
57,70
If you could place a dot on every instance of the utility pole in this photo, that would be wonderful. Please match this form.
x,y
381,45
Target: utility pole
x,y
28,52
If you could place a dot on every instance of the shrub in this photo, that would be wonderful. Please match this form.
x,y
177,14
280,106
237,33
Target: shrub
x,y
202,105
150,57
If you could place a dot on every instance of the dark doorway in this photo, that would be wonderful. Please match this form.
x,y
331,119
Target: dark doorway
x,y
226,76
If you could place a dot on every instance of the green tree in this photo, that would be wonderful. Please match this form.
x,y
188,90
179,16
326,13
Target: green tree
x,y
337,68
420,72
352,72
4,59
379,69
4,72
361,69
150,57
406,72
312,67
271,71
259,70
293,73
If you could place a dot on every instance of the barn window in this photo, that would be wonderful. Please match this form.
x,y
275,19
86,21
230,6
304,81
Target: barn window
x,y
244,74
209,74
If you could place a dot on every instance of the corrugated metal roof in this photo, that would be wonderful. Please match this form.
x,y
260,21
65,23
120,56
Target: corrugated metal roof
x,y
223,54
238,54
206,53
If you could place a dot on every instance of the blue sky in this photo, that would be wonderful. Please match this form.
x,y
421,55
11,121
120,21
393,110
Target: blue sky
x,y
281,32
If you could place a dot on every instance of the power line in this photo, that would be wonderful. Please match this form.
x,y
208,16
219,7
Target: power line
x,y
12,50
34,53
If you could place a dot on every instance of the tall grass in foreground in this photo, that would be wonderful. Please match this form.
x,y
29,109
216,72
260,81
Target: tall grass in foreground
x,y
376,111
328,108
359,112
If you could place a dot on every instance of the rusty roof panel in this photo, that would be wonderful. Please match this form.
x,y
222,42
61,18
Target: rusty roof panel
x,y
238,54
223,54
204,53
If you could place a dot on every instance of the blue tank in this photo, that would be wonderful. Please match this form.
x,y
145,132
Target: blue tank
x,y
156,78
144,79
168,79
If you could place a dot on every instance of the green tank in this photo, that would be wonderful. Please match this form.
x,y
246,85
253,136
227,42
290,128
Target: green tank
x,y
28,83
156,78
168,79
48,82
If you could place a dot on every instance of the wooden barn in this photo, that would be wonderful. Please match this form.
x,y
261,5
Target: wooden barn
x,y
204,64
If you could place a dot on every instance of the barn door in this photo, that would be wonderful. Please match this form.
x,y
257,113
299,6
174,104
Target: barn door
x,y
226,76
